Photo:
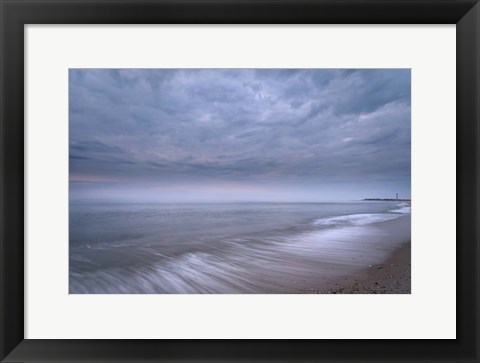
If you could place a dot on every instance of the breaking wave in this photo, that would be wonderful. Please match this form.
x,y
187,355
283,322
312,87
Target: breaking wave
x,y
354,220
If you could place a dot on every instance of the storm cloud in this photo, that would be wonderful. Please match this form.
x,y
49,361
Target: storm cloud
x,y
234,134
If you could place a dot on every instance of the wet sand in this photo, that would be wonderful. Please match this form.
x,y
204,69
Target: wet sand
x,y
391,277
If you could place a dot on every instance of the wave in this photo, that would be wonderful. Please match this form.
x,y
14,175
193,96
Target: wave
x,y
404,209
355,219
269,265
330,247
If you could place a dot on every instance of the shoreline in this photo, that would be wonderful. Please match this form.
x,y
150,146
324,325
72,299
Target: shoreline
x,y
391,277
363,256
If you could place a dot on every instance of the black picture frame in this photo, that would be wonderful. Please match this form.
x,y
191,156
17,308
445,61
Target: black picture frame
x,y
15,14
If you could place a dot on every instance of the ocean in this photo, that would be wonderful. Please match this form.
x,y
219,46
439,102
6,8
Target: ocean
x,y
155,248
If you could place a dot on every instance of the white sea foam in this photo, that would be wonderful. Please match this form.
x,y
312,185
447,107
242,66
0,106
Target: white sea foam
x,y
404,209
355,219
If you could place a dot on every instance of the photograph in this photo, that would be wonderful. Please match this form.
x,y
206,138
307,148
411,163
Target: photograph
x,y
239,181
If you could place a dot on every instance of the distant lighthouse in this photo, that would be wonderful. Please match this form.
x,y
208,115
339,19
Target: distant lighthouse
x,y
397,196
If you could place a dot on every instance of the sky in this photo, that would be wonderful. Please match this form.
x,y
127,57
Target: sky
x,y
221,135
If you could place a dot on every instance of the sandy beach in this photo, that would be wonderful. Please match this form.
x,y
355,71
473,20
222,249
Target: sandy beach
x,y
391,276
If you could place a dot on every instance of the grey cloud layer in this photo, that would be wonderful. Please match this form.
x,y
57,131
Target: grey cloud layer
x,y
263,126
